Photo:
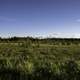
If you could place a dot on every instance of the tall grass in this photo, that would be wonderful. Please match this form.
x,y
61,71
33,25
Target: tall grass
x,y
39,59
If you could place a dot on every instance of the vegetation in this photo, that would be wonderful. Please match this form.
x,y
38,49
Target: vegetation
x,y
30,58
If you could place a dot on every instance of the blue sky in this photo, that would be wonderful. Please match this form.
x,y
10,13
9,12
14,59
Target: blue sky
x,y
39,17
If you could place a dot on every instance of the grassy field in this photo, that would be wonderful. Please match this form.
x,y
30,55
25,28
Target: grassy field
x,y
39,59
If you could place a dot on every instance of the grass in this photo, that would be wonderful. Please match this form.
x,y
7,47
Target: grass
x,y
39,59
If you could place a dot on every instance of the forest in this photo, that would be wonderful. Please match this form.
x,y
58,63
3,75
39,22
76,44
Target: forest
x,y
28,58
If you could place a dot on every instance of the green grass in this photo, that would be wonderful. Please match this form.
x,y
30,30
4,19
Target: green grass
x,y
39,60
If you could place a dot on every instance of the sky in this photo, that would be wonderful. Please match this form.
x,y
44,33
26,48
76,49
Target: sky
x,y
40,18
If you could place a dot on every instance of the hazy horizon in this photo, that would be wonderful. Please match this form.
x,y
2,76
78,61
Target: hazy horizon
x,y
56,18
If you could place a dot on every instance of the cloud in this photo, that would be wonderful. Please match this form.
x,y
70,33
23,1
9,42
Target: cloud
x,y
3,18
78,20
65,35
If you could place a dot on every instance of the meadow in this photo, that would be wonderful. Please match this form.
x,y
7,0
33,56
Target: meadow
x,y
30,58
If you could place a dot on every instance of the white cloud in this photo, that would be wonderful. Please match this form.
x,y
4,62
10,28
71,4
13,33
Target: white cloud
x,y
65,35
59,35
